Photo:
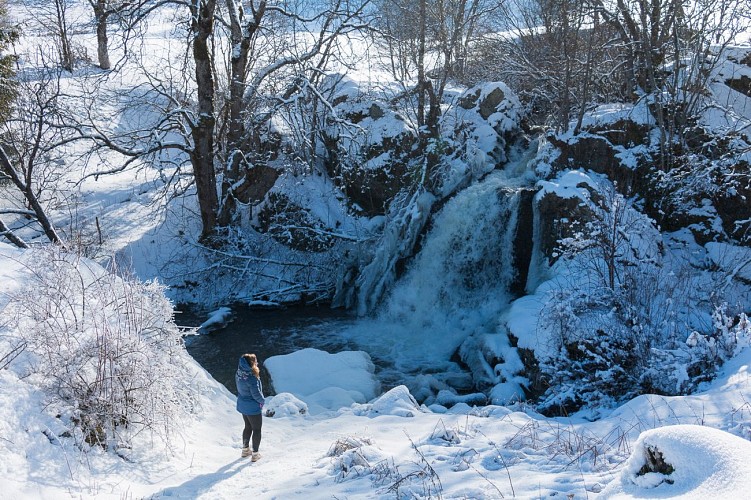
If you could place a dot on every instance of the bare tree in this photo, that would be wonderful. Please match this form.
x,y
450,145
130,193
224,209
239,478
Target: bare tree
x,y
428,42
565,56
123,14
557,55
219,129
102,11
54,20
669,49
202,129
29,149
63,31
128,12
267,70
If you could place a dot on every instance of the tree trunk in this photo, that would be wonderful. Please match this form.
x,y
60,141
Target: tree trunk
x,y
240,38
31,198
66,52
421,64
102,43
202,130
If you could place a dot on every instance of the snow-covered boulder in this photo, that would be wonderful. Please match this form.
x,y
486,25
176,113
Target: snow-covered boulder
x,y
685,461
398,402
614,140
217,320
367,143
559,201
479,129
450,398
496,104
284,405
325,381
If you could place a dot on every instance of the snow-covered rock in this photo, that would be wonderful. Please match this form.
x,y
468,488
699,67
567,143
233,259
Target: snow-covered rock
x,y
325,381
398,402
217,320
697,463
284,405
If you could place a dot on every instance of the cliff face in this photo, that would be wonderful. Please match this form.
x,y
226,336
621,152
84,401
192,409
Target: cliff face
x,y
704,186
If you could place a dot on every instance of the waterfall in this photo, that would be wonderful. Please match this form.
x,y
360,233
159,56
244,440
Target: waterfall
x,y
450,299
398,242
465,263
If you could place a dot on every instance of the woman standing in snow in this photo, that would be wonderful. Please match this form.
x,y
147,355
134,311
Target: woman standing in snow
x,y
250,402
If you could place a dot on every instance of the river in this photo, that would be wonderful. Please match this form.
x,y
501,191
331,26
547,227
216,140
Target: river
x,y
265,332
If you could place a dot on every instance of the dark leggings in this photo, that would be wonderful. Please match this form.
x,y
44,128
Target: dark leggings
x,y
253,425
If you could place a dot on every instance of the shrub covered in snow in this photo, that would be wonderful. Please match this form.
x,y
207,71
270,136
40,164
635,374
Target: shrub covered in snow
x,y
104,350
619,316
292,225
353,457
611,347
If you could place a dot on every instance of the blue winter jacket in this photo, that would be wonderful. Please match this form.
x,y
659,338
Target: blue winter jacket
x,y
249,390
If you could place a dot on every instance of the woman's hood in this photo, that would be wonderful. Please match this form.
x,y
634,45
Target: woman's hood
x,y
243,365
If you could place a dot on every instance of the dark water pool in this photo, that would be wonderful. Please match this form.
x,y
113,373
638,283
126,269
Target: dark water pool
x,y
265,332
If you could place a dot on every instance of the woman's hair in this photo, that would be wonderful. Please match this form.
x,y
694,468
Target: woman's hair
x,y
253,362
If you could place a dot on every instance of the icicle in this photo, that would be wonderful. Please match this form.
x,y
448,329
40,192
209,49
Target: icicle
x,y
397,242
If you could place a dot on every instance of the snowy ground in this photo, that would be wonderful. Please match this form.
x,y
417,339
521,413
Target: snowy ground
x,y
386,448
382,449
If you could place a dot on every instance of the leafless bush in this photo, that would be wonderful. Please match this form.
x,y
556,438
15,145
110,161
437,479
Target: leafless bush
x,y
103,349
422,481
349,458
354,457
444,435
345,444
556,440
385,472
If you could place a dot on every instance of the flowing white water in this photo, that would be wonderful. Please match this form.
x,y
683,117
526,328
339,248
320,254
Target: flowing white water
x,y
449,301
454,289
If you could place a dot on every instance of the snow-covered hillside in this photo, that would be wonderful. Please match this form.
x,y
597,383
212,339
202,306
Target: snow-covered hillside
x,y
500,272
389,447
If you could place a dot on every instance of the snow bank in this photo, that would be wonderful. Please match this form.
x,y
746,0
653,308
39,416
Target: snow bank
x,y
325,381
705,462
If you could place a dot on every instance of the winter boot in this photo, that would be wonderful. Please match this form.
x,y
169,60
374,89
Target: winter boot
x,y
256,456
246,452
